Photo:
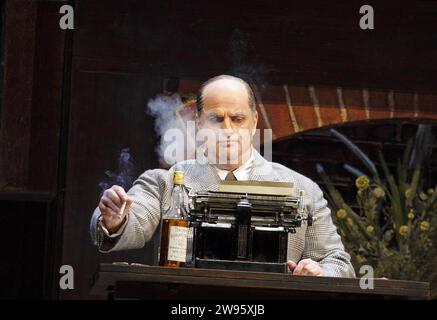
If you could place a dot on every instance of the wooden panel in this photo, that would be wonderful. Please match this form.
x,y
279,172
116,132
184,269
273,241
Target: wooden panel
x,y
15,127
47,98
32,96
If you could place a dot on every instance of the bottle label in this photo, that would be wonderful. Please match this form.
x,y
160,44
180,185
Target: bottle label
x,y
177,244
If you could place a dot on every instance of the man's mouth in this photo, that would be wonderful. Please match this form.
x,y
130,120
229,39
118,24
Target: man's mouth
x,y
227,143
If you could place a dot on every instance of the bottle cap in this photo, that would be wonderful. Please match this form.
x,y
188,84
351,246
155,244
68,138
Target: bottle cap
x,y
178,177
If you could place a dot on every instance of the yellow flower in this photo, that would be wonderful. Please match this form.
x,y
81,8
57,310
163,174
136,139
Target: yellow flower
x,y
370,229
424,225
360,259
423,196
411,214
379,192
403,230
362,183
408,193
341,214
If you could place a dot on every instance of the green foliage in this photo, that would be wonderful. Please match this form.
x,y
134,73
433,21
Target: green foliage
x,y
395,230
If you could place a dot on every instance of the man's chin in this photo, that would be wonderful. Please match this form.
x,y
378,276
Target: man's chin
x,y
226,166
223,161
228,157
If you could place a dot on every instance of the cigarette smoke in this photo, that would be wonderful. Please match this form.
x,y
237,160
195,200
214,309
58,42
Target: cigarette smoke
x,y
124,177
166,111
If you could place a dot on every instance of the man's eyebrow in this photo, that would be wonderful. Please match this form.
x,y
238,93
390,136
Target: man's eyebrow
x,y
213,114
221,115
238,114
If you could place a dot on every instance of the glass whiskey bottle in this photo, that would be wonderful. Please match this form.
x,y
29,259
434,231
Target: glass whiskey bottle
x,y
175,227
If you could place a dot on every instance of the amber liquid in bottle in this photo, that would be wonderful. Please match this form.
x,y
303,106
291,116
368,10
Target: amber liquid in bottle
x,y
174,228
165,239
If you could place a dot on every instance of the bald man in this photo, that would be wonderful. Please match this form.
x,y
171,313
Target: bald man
x,y
225,107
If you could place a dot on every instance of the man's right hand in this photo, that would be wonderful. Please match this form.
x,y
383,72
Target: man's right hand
x,y
110,204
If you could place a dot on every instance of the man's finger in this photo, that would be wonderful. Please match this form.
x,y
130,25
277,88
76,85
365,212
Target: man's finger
x,y
310,269
129,201
108,213
121,193
300,265
110,204
291,265
114,196
102,207
128,204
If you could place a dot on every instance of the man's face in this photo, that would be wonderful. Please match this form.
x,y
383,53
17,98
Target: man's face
x,y
226,113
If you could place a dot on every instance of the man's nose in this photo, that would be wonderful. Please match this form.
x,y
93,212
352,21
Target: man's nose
x,y
227,125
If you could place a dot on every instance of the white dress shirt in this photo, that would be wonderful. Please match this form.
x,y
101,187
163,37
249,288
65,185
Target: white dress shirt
x,y
241,173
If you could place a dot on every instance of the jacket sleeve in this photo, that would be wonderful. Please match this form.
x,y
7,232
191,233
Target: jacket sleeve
x,y
323,243
143,217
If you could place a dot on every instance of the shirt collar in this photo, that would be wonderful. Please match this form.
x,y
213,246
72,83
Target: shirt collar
x,y
241,173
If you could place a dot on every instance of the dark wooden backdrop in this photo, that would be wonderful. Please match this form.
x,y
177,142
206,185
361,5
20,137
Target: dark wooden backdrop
x,y
72,99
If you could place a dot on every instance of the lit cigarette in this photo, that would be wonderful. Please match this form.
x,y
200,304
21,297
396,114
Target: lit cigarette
x,y
120,213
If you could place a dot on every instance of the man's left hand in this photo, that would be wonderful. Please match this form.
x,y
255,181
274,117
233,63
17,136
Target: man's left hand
x,y
305,267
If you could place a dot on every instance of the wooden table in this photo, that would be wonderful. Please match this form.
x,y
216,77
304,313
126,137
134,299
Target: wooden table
x,y
131,281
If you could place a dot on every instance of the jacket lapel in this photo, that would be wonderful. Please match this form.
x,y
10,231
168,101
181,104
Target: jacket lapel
x,y
202,176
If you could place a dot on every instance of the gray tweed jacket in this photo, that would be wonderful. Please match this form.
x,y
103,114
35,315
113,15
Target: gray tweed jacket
x,y
151,196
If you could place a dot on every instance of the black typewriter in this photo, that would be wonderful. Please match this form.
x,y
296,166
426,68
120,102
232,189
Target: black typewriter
x,y
245,225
